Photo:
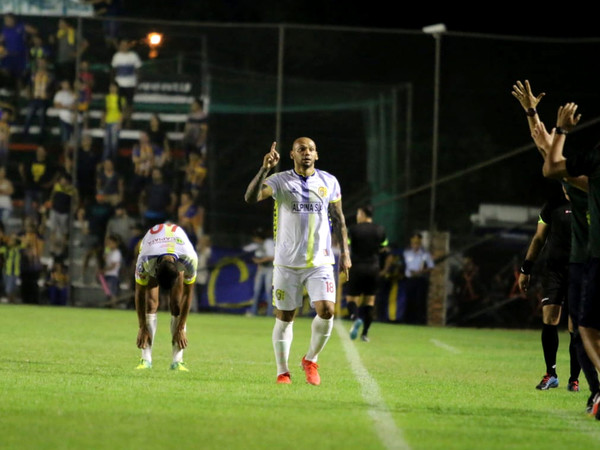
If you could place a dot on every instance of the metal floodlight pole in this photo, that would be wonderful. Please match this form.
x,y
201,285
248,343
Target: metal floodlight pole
x,y
436,31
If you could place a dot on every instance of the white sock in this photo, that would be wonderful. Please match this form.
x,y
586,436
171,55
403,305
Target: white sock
x,y
177,352
321,330
283,334
151,324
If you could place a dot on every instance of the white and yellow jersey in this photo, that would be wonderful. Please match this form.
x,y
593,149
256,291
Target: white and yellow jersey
x,y
166,239
302,229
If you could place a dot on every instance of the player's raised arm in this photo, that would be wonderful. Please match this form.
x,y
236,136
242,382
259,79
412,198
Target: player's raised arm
x,y
528,101
257,190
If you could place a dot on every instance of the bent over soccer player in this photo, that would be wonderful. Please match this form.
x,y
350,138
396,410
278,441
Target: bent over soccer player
x,y
306,199
166,265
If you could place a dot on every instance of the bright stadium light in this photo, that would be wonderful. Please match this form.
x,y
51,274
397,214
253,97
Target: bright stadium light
x,y
154,39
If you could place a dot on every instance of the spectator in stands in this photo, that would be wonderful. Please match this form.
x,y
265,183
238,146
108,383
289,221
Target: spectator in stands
x,y
145,157
32,243
86,76
113,260
158,135
13,38
112,121
62,198
65,100
84,86
95,217
83,99
195,174
190,214
38,177
125,64
42,82
58,284
109,183
196,128
6,117
7,190
121,224
157,202
87,168
11,266
38,50
132,250
67,50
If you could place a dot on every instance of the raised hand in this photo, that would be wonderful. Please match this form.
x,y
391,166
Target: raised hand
x,y
567,117
523,93
272,158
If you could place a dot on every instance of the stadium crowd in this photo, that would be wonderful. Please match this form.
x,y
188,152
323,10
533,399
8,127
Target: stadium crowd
x,y
110,190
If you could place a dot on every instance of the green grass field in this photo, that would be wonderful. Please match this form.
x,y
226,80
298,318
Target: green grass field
x,y
67,382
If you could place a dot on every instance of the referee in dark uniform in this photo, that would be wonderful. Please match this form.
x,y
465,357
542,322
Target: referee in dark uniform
x,y
553,235
366,241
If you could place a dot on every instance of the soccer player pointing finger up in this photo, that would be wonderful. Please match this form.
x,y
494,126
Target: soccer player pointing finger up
x,y
308,208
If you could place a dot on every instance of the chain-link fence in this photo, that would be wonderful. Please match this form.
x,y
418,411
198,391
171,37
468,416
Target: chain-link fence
x,y
428,156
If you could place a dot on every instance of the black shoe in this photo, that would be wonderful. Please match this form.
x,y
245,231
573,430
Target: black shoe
x,y
590,403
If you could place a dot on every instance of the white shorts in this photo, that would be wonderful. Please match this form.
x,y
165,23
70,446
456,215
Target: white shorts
x,y
58,222
289,284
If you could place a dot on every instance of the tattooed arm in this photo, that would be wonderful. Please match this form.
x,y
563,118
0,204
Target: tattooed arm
x,y
257,190
338,225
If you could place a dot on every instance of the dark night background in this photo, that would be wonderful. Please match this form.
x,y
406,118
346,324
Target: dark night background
x,y
520,19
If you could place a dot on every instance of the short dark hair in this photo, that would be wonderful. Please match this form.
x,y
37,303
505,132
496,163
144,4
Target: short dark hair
x,y
367,209
166,273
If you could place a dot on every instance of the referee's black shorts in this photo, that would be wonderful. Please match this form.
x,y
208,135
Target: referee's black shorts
x,y
363,280
555,285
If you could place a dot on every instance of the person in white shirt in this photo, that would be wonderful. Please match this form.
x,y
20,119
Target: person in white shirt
x,y
308,208
113,259
65,101
167,262
125,64
263,253
418,265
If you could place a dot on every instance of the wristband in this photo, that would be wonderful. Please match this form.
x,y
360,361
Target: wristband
x,y
526,267
560,130
531,112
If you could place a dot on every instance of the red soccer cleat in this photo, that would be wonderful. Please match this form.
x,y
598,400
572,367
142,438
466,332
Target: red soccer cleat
x,y
312,375
284,378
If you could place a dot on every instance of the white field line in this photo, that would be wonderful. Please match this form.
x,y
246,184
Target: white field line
x,y
387,431
445,346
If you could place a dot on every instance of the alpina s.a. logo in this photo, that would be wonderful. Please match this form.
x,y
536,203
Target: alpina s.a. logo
x,y
322,191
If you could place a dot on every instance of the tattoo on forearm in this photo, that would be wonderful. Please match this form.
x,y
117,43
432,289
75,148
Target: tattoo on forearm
x,y
338,226
255,186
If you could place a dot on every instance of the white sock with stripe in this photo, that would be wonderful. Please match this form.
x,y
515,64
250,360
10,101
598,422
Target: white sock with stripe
x,y
283,334
151,324
321,331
